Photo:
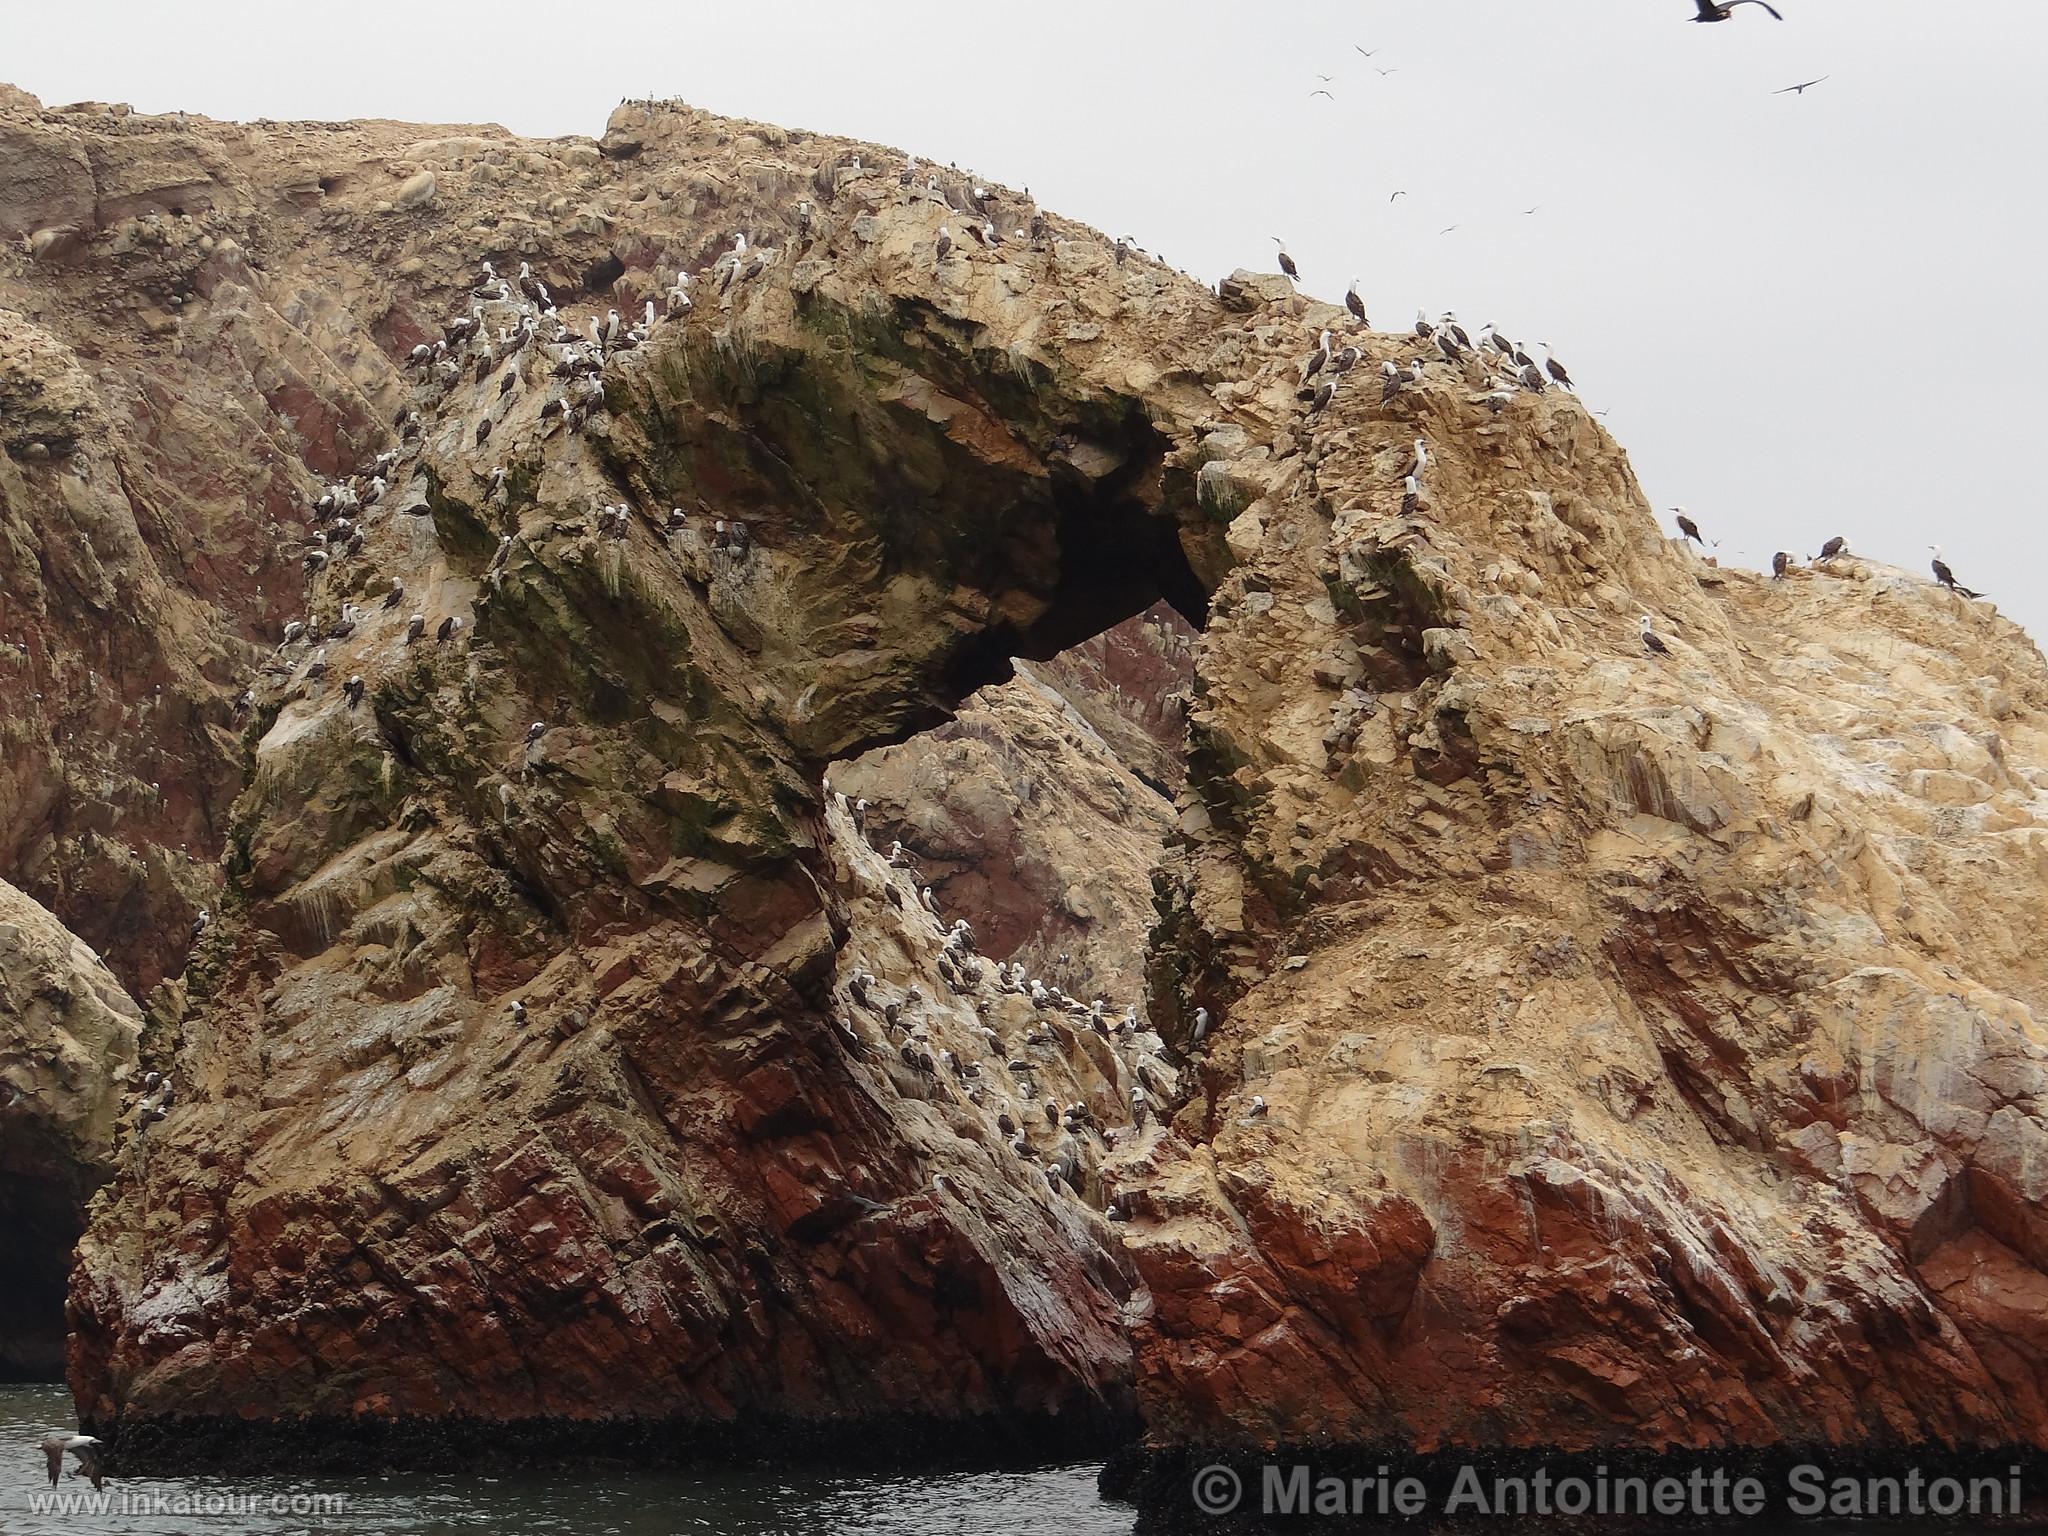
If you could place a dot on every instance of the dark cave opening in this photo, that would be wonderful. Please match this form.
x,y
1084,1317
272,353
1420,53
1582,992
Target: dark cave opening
x,y
1118,556
42,1223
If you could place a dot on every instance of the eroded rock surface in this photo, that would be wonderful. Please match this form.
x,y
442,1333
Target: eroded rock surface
x,y
68,1038
1647,1044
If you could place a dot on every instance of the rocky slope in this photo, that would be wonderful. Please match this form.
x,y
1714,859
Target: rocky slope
x,y
68,1038
1645,1042
1044,806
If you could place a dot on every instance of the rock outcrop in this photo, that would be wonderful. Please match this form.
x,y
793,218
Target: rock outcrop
x,y
68,1037
1044,806
1607,1047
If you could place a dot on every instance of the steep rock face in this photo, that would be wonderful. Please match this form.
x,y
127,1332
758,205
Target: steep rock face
x,y
560,1072
67,1044
1647,1045
1041,811
1650,1042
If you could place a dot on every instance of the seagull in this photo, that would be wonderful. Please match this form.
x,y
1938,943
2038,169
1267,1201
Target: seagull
x,y
1688,527
1800,89
1402,193
1286,261
1368,52
1946,576
84,1447
1312,95
1721,10
1650,640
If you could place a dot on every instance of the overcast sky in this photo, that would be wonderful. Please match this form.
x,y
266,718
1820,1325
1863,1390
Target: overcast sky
x,y
1804,315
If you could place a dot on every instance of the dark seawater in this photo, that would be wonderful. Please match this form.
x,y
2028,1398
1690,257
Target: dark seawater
x,y
608,1503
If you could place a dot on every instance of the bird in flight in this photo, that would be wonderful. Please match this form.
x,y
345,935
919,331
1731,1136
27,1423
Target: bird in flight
x,y
1397,194
1312,95
1447,231
1800,89
1368,52
1527,211
1721,10
1378,71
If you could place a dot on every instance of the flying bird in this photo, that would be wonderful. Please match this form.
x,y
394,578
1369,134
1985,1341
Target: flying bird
x,y
1799,90
1312,95
1451,230
84,1447
1368,52
1721,10
1398,194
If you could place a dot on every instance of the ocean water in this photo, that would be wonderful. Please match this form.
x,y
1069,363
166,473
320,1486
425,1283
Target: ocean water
x,y
604,1503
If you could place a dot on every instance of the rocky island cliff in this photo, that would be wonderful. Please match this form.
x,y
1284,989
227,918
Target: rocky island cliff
x,y
1602,1047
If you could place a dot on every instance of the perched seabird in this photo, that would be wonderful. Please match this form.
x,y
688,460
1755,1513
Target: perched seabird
x,y
353,690
1688,527
1456,331
1420,462
1835,546
1286,261
1320,356
1354,303
414,627
518,1011
1201,1029
945,245
1411,495
535,731
1721,10
1780,564
1946,576
1257,1110
1423,327
1554,368
1650,639
1323,398
450,627
84,1447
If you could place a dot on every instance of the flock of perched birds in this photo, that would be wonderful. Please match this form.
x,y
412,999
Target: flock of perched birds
x,y
1008,1075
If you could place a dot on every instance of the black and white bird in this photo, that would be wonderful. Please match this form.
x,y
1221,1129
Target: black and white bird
x,y
1554,368
1835,546
945,245
1946,576
415,627
1780,564
353,691
1201,1029
450,628
85,1447
1354,303
1651,642
1688,528
1721,10
1286,261
1317,359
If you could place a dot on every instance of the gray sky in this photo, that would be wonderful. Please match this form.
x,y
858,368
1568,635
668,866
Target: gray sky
x,y
1804,315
